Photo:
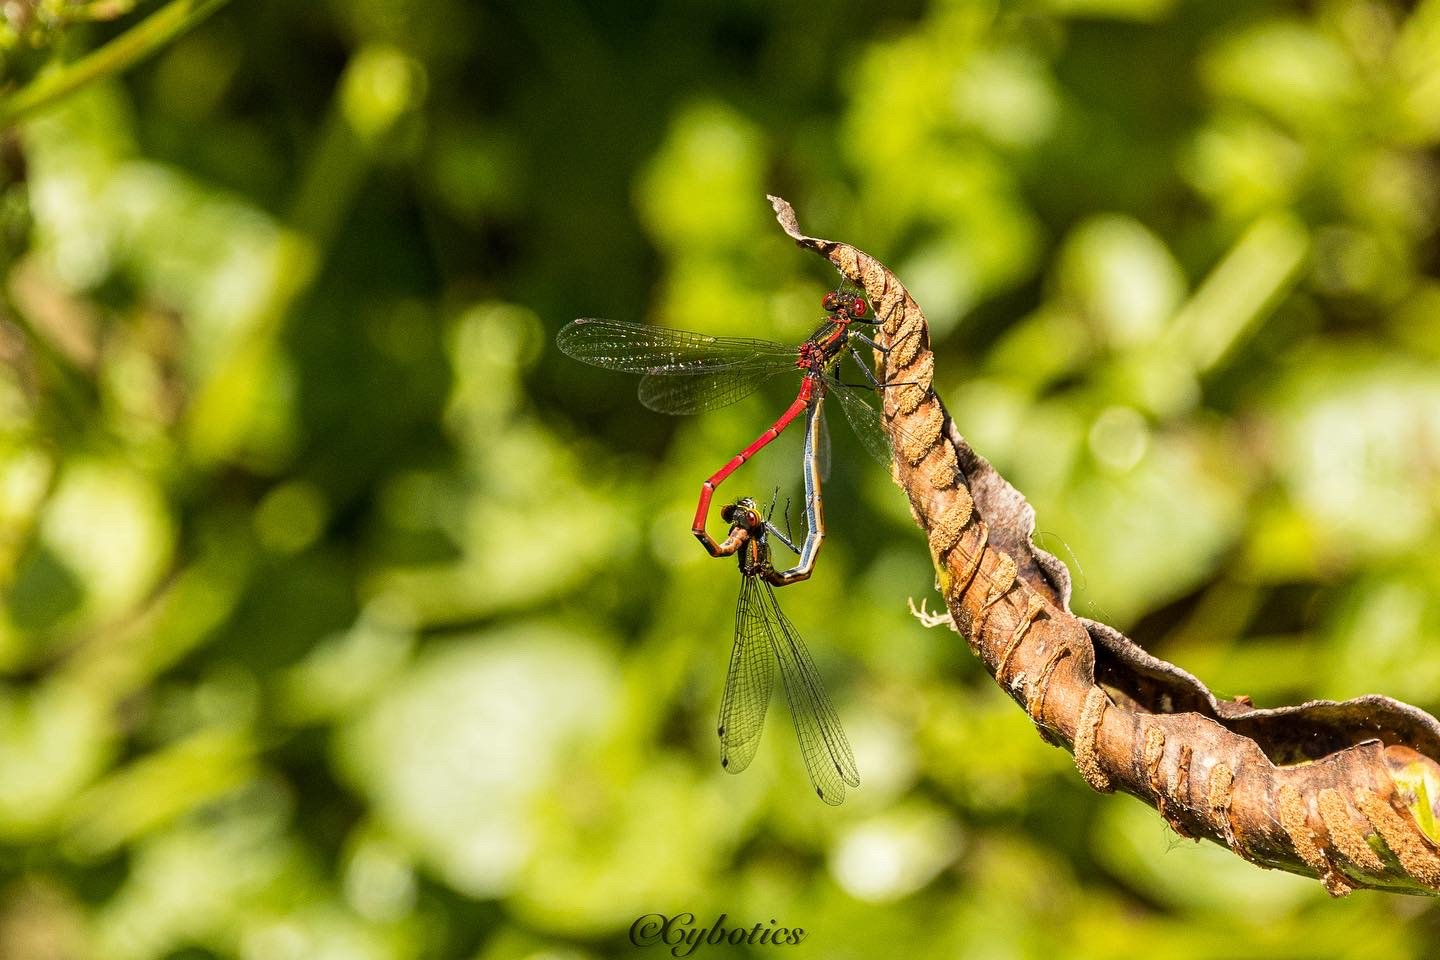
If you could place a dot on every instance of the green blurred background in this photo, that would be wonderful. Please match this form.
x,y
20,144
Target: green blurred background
x,y
344,618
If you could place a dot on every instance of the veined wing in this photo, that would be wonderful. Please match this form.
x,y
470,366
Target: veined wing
x,y
828,759
707,390
747,685
866,421
822,453
641,348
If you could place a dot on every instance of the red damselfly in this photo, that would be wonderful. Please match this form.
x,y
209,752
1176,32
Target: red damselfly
x,y
764,636
684,372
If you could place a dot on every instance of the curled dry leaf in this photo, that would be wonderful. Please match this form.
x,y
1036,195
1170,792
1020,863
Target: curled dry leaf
x,y
1345,792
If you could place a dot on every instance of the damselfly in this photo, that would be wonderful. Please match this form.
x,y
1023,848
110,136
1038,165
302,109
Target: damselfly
x,y
764,636
684,372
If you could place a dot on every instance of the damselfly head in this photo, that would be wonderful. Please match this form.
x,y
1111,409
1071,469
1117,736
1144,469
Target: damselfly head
x,y
845,303
742,513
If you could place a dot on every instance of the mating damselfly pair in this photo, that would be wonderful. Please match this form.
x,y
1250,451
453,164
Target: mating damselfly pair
x,y
684,372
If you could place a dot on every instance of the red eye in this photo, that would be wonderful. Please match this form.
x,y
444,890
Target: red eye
x,y
857,308
828,302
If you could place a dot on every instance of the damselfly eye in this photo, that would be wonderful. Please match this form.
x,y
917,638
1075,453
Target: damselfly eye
x,y
830,302
857,307
727,513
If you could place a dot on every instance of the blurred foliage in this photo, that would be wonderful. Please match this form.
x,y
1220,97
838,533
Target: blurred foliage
x,y
340,617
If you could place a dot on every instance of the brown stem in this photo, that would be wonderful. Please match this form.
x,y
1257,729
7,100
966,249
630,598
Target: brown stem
x,y
1338,791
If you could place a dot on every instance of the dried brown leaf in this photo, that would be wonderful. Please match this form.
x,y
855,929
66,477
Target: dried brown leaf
x,y
1306,788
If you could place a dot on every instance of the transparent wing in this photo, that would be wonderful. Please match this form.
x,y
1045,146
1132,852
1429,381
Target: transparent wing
x,y
864,420
747,685
704,391
828,759
822,454
641,348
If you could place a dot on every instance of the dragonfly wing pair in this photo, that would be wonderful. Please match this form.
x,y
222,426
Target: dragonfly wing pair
x,y
683,372
763,637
